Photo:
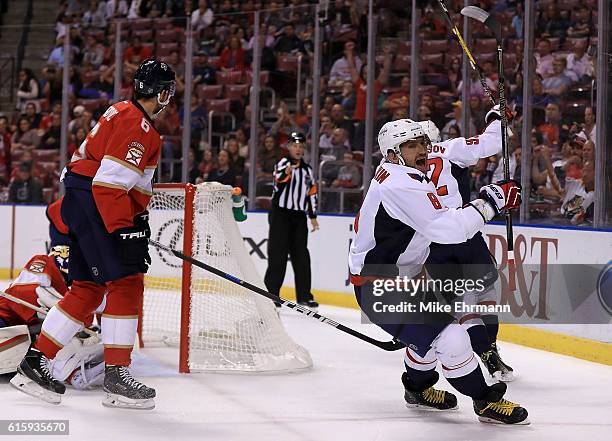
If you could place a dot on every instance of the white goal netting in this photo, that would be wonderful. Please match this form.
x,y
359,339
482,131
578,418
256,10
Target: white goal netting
x,y
225,327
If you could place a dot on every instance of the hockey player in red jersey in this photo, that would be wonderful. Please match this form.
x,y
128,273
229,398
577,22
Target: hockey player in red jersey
x,y
399,218
108,187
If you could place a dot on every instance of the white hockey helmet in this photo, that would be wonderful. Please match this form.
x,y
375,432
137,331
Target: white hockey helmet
x,y
431,130
395,133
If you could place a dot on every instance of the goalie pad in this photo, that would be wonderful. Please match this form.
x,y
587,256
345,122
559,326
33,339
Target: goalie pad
x,y
80,363
14,344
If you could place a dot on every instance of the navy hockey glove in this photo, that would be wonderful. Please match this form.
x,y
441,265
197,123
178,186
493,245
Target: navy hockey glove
x,y
134,247
502,196
142,220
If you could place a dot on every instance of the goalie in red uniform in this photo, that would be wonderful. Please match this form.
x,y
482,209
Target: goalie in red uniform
x,y
108,187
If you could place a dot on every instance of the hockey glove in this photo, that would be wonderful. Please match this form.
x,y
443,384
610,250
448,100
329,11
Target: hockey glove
x,y
142,220
502,196
134,247
494,114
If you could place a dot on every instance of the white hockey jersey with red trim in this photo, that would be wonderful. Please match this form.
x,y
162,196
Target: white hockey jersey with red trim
x,y
448,162
400,216
120,154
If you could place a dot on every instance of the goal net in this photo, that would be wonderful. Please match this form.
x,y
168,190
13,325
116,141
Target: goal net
x,y
217,325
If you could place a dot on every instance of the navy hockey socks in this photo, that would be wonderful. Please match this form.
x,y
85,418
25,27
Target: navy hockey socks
x,y
479,339
492,324
473,384
419,377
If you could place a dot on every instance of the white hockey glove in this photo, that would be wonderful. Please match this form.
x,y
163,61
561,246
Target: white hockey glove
x,y
47,298
502,196
494,114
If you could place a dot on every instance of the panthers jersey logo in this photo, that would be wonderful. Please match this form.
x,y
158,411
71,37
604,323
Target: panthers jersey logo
x,y
61,255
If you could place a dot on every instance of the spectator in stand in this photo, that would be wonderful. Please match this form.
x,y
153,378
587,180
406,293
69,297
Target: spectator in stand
x,y
551,128
552,24
349,175
589,128
456,121
206,165
116,9
233,56
340,144
268,58
25,137
51,139
518,20
454,76
578,197
284,125
539,99
360,80
32,115
326,130
198,118
203,72
136,52
431,27
48,118
348,97
341,70
544,58
238,162
94,16
52,90
268,156
303,117
93,53
477,113
224,171
56,56
558,83
27,89
202,17
209,42
5,150
582,26
579,63
454,131
77,140
288,42
77,115
588,153
25,189
274,19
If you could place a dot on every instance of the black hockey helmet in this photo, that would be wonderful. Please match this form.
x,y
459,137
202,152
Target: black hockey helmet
x,y
296,138
153,77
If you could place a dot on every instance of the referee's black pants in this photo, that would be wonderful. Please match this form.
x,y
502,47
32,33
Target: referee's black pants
x,y
288,236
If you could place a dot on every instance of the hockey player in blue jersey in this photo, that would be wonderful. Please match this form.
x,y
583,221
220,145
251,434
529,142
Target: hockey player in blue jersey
x,y
400,216
448,163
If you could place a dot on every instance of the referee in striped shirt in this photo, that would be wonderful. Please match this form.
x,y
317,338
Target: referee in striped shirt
x,y
294,198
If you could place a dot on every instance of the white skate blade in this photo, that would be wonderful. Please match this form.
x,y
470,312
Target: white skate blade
x,y
121,402
432,409
29,387
525,422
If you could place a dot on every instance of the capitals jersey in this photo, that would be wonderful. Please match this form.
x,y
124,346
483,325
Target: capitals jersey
x,y
120,154
39,271
400,216
449,160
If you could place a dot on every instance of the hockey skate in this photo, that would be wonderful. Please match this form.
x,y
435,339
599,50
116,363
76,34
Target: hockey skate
x,y
495,409
499,370
123,391
425,396
34,378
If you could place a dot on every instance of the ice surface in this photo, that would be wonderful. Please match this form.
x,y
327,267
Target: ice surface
x,y
353,393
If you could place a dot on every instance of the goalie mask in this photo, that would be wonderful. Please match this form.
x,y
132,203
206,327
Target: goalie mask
x,y
395,133
61,256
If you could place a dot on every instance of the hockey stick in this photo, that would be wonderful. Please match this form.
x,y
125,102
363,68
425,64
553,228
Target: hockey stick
x,y
484,17
457,34
38,309
392,345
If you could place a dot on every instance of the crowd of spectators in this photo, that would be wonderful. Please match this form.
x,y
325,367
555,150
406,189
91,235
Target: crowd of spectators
x,y
563,116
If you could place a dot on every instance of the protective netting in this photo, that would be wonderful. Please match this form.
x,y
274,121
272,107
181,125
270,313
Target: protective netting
x,y
230,328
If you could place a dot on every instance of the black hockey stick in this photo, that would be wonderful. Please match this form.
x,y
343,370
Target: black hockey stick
x,y
457,34
392,345
484,17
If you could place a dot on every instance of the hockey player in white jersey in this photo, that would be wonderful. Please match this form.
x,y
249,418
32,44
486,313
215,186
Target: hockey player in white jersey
x,y
400,216
448,163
